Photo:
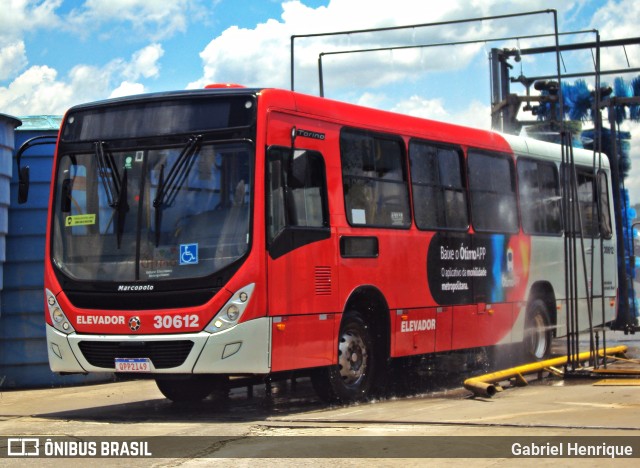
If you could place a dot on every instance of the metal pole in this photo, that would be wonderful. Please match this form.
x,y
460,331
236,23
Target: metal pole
x,y
320,77
292,62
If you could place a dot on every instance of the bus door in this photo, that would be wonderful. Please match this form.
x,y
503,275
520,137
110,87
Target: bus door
x,y
301,269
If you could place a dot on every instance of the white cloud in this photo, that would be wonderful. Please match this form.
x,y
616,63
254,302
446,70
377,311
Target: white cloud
x,y
373,100
127,88
476,115
21,16
255,57
261,56
144,63
618,20
417,106
36,91
39,89
13,58
155,19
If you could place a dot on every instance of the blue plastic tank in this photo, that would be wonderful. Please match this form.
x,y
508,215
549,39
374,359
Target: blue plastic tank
x,y
23,348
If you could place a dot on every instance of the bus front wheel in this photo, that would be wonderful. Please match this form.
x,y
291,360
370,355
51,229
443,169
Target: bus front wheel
x,y
351,378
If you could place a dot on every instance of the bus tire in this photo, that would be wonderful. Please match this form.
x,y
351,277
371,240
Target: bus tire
x,y
351,379
537,332
194,388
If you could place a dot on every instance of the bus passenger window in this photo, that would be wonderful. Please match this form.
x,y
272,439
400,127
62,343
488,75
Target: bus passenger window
x,y
540,200
374,180
492,190
605,209
437,179
587,203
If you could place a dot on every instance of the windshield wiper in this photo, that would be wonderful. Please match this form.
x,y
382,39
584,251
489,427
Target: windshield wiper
x,y
115,187
121,207
108,174
168,189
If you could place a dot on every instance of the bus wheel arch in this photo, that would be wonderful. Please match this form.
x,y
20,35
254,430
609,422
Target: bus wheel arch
x,y
362,350
543,291
372,305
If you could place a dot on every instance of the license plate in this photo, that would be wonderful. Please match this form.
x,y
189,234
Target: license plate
x,y
133,365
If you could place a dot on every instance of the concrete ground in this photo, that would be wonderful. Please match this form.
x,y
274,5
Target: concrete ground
x,y
446,425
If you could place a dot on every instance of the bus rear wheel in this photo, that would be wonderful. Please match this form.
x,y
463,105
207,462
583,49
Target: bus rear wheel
x,y
537,333
351,378
194,388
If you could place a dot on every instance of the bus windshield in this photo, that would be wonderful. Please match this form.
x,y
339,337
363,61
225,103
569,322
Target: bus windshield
x,y
152,213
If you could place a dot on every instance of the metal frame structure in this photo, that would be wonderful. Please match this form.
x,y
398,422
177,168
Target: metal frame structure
x,y
505,107
417,26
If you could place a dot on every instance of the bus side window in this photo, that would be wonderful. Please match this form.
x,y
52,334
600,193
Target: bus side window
x,y
374,180
587,203
296,191
437,178
604,207
539,197
492,190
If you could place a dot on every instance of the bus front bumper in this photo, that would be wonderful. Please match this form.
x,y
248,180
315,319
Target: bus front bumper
x,y
243,349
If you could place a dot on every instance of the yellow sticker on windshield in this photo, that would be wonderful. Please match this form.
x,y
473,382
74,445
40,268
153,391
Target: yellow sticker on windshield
x,y
80,220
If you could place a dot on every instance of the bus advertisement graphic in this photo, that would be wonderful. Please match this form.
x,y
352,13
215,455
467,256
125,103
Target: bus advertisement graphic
x,y
472,268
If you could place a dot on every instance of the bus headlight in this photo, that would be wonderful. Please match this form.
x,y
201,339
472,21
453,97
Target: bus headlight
x,y
59,320
57,315
231,312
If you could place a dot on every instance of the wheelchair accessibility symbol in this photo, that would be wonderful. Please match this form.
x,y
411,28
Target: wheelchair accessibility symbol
x,y
188,254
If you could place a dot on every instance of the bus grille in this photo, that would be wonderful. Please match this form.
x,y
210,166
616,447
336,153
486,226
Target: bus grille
x,y
163,354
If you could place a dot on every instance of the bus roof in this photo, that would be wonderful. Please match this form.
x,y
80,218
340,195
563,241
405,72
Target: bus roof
x,y
545,150
386,121
166,94
376,119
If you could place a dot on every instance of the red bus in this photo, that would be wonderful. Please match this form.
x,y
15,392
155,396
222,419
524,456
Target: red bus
x,y
199,235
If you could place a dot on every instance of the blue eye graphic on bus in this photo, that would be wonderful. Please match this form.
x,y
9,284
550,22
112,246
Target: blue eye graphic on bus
x,y
509,260
188,254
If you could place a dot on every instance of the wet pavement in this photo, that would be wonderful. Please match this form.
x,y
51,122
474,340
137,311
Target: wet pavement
x,y
428,406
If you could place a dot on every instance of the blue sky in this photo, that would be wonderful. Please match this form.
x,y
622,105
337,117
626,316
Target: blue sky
x,y
57,53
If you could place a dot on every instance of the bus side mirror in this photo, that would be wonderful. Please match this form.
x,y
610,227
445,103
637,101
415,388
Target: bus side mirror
x,y
65,199
23,172
23,184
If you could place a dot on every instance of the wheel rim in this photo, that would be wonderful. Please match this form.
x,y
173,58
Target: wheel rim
x,y
538,341
352,358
